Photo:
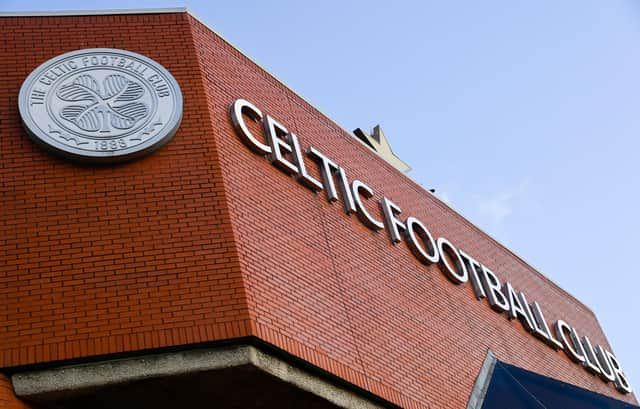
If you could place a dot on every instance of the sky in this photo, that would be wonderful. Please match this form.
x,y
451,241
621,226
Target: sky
x,y
523,115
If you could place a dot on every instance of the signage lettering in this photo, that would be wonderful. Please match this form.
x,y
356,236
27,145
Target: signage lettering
x,y
284,152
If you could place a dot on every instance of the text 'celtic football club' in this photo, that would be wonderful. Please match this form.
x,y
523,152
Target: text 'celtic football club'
x,y
283,150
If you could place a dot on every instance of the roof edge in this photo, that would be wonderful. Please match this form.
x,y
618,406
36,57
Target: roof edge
x,y
53,13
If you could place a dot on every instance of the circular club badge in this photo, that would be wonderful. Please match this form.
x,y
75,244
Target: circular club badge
x,y
101,105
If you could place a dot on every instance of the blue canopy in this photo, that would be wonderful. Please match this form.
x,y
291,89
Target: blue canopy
x,y
515,388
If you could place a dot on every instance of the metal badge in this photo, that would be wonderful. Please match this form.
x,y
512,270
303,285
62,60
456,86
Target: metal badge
x,y
101,105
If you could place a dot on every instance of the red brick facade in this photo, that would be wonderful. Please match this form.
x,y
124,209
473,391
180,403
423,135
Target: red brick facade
x,y
8,399
205,240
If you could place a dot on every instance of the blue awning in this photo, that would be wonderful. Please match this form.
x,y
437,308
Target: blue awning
x,y
515,388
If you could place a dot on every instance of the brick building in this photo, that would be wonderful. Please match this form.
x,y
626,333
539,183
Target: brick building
x,y
203,274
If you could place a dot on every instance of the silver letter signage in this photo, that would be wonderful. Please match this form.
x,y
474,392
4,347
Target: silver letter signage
x,y
458,266
101,105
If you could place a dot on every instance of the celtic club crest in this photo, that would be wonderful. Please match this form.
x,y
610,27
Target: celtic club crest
x,y
101,105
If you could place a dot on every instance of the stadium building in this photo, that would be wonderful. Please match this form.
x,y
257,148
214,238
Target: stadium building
x,y
181,230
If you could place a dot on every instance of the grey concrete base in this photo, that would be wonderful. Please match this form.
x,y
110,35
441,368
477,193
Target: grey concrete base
x,y
240,376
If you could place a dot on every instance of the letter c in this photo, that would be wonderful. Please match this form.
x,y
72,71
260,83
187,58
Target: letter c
x,y
237,111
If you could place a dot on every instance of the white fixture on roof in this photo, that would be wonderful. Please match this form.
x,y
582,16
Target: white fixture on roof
x,y
379,143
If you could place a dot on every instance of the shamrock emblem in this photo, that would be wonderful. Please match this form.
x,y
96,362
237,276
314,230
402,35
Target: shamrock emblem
x,y
97,109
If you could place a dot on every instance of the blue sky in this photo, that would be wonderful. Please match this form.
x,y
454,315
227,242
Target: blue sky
x,y
523,115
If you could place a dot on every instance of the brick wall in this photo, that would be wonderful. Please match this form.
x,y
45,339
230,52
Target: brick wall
x,y
99,260
8,399
205,240
322,286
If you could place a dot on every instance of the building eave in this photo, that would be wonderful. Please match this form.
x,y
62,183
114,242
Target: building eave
x,y
53,13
